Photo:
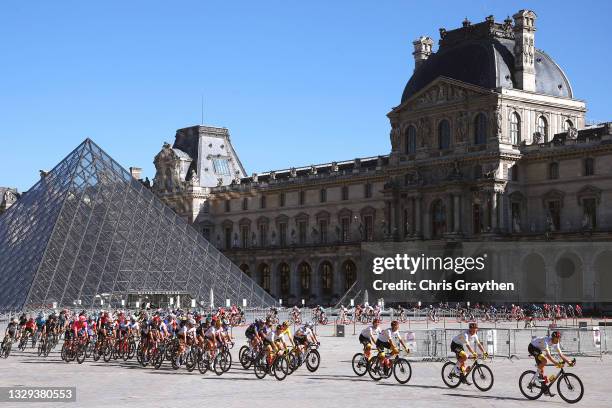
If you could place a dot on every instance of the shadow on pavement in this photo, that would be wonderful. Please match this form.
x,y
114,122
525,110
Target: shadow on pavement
x,y
489,397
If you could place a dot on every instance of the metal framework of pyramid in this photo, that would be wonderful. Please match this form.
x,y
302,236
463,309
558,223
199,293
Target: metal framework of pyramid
x,y
89,229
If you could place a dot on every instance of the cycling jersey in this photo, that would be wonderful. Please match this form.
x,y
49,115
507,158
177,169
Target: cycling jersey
x,y
465,338
370,331
211,332
387,335
545,343
303,332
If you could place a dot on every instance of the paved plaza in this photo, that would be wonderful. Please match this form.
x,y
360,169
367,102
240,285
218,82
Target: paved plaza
x,y
120,383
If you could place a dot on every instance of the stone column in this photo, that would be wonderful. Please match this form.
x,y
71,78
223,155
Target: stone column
x,y
392,220
456,212
337,278
418,214
494,211
294,282
315,281
398,219
274,280
502,212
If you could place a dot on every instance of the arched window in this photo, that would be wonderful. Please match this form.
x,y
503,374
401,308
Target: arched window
x,y
542,128
480,129
444,135
515,128
264,277
285,280
410,140
350,274
438,218
327,277
304,269
567,124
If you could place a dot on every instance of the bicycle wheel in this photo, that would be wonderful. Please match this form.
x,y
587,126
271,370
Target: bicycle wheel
x,y
108,353
374,369
402,371
80,355
529,386
204,362
41,348
260,367
360,364
570,388
281,367
245,359
190,362
313,359
219,363
241,352
450,378
227,362
482,377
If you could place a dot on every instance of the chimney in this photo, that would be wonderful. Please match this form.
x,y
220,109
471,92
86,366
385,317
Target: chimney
x,y
524,49
422,50
136,172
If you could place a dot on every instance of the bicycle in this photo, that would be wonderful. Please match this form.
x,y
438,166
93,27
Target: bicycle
x,y
567,383
383,367
7,344
482,376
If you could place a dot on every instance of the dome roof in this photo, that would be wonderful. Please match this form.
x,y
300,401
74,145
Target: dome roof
x,y
489,63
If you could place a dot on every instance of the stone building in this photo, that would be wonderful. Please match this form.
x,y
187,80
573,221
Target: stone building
x,y
489,144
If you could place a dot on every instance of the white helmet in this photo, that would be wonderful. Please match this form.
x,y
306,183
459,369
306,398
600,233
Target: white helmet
x,y
15,320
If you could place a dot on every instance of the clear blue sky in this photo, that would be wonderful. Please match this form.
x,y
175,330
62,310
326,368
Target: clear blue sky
x,y
295,82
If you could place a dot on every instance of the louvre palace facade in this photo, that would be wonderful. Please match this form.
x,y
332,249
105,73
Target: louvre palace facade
x,y
488,145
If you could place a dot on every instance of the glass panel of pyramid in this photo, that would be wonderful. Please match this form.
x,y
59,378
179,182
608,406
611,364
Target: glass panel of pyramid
x,y
89,232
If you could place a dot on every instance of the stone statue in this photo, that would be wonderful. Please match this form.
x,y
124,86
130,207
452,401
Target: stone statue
x,y
273,238
293,172
462,122
550,225
334,166
293,236
425,126
338,233
313,169
253,239
537,138
272,175
195,179
572,133
218,241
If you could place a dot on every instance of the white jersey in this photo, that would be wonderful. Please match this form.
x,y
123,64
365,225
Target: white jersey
x,y
545,343
303,332
465,338
212,332
388,334
270,335
187,330
370,332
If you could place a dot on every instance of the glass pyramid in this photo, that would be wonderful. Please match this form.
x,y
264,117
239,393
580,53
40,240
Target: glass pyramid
x,y
89,231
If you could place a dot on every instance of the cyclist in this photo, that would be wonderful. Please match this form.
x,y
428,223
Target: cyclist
x,y
366,338
539,348
253,333
465,340
186,336
40,324
12,331
285,332
29,327
302,334
385,340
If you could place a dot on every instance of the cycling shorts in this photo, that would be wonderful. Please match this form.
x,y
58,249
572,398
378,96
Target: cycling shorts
x,y
456,348
536,353
382,345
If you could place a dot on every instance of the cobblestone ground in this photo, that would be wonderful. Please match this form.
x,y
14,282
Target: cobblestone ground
x,y
119,383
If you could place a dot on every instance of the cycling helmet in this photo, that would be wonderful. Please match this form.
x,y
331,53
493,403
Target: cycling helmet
x,y
191,322
82,318
473,325
556,334
279,327
308,325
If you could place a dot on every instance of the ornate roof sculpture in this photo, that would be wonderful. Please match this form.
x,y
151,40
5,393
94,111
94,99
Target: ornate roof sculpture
x,y
89,229
483,54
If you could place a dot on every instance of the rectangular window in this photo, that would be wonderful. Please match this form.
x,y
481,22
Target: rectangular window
x,y
263,235
323,195
554,211
227,205
262,201
281,200
245,204
221,167
244,236
514,173
323,231
589,166
368,221
367,190
302,232
228,238
282,232
553,171
345,225
345,193
302,197
590,213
